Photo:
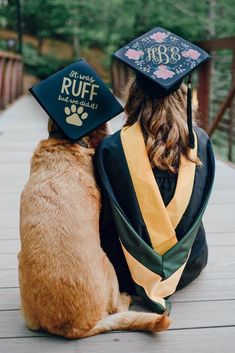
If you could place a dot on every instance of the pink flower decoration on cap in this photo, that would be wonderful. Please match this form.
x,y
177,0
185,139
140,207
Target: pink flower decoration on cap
x,y
134,54
191,53
163,72
159,37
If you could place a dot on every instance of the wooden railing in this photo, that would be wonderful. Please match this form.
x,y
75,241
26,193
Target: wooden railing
x,y
204,82
220,122
11,78
120,74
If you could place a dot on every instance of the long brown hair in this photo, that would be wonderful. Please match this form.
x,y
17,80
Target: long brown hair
x,y
164,125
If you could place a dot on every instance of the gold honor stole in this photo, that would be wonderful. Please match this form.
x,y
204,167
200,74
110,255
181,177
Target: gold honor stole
x,y
160,221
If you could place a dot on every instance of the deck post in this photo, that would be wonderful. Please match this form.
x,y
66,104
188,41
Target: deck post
x,y
203,94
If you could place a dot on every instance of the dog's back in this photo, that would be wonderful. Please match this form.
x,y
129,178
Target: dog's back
x,y
61,264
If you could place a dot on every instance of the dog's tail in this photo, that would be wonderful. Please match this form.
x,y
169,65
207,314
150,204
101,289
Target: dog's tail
x,y
131,320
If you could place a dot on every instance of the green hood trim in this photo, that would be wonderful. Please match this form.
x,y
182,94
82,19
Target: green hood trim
x,y
151,304
174,258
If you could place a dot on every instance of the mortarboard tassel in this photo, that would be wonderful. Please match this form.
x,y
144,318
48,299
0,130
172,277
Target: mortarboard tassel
x,y
189,114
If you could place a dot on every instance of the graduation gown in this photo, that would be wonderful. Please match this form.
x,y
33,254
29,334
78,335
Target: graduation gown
x,y
126,238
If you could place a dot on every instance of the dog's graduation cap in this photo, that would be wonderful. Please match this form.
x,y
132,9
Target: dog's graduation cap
x,y
161,60
76,99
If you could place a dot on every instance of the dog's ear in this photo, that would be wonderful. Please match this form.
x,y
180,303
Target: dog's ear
x,y
96,136
51,126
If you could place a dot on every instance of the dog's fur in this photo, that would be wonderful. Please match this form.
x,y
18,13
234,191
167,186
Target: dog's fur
x,y
67,284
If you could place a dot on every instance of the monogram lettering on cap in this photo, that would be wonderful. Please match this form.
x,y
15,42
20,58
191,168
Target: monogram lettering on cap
x,y
163,54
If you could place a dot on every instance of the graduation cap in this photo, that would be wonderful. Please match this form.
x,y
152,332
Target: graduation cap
x,y
76,99
161,60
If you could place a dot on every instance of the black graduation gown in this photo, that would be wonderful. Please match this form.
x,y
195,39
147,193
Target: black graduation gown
x,y
113,159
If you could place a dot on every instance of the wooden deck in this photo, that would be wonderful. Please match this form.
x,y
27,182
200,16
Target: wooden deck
x,y
203,314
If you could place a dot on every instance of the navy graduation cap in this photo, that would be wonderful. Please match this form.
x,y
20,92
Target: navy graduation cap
x,y
161,60
76,99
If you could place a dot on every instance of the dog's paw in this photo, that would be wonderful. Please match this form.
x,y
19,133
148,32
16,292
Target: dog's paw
x,y
75,115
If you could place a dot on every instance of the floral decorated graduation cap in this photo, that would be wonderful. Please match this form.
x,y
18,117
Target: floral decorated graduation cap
x,y
161,60
76,99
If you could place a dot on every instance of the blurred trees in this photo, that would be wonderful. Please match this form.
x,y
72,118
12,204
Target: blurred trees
x,y
107,24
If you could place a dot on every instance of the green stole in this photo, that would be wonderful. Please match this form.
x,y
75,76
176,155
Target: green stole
x,y
156,270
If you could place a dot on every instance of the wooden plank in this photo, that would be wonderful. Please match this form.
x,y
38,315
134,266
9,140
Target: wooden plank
x,y
9,246
8,278
16,157
10,219
9,299
8,261
14,81
220,227
183,315
6,95
9,172
206,290
203,93
22,146
225,183
223,169
9,232
9,55
225,105
218,44
183,341
220,264
12,325
219,212
221,196
2,66
10,201
218,239
13,178
20,78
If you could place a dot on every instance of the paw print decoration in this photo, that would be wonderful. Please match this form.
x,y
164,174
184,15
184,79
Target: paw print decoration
x,y
75,116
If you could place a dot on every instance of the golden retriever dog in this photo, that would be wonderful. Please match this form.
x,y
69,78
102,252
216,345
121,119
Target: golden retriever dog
x,y
68,286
